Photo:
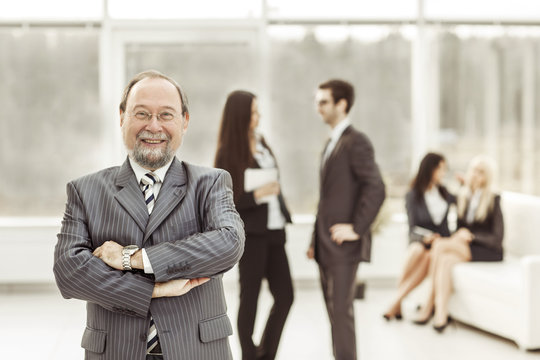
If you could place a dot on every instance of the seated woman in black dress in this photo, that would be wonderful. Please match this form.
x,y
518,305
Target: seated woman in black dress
x,y
478,238
427,205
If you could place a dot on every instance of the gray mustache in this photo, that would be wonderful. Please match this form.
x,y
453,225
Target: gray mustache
x,y
148,135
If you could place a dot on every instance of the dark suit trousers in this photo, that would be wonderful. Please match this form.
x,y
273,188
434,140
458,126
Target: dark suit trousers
x,y
264,257
338,285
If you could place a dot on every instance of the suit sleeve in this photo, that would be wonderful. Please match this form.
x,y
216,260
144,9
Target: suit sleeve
x,y
372,190
214,250
412,206
81,275
492,238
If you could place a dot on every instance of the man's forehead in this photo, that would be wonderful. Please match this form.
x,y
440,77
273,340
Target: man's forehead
x,y
323,94
154,90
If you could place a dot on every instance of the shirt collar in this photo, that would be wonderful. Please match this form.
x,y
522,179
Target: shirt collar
x,y
339,129
140,171
476,195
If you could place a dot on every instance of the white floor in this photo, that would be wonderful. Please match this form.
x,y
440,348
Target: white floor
x,y
38,323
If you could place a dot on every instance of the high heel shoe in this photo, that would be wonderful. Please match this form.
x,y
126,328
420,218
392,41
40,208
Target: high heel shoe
x,y
441,328
389,317
425,320
393,313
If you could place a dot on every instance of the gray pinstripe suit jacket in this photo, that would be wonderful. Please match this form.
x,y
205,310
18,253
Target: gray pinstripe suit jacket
x,y
193,231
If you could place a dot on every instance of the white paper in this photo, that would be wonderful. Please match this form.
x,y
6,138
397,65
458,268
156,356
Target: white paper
x,y
422,231
255,178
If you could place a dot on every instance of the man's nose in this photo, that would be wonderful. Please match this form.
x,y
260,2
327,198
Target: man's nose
x,y
153,124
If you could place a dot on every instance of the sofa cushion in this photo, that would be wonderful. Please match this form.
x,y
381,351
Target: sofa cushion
x,y
494,280
521,217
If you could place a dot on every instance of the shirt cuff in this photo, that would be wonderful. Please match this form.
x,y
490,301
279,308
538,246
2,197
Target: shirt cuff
x,y
146,263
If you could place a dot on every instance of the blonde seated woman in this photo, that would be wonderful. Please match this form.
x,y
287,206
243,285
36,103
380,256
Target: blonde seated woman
x,y
478,238
427,204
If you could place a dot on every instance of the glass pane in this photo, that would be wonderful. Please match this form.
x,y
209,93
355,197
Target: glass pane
x,y
50,116
499,10
489,95
184,9
51,9
361,9
207,71
379,68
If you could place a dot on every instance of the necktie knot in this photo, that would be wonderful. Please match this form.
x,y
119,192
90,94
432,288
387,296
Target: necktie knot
x,y
147,183
149,179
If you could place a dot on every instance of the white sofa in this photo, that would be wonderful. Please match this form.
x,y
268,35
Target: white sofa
x,y
503,298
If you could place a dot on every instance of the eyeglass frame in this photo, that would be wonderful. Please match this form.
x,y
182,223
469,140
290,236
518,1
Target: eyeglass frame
x,y
148,116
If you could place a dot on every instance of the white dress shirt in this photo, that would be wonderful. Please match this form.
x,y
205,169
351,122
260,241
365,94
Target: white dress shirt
x,y
336,133
473,205
436,205
139,173
264,158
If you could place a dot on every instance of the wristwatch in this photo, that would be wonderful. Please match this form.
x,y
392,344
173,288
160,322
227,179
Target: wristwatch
x,y
127,251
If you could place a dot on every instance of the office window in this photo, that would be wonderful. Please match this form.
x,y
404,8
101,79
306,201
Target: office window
x,y
489,95
379,69
51,10
50,116
183,9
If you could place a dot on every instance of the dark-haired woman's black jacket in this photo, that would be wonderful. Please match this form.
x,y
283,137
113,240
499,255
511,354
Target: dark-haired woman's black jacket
x,y
418,215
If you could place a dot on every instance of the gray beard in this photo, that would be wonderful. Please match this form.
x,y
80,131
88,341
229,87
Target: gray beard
x,y
151,159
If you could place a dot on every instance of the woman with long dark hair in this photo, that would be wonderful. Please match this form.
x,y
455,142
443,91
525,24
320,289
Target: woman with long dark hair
x,y
427,205
241,149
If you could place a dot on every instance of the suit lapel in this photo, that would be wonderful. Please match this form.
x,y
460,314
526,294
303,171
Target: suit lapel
x,y
323,162
172,191
325,170
130,195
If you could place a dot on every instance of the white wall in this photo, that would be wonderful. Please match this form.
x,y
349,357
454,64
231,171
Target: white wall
x,y
28,250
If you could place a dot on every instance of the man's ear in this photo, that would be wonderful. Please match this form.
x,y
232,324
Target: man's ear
x,y
186,122
342,104
121,118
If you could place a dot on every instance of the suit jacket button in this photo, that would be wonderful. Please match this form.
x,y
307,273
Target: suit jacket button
x,y
143,337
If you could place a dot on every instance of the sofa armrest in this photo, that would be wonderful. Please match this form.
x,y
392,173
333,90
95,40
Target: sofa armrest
x,y
530,268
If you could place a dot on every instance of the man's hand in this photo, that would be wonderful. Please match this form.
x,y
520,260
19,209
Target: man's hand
x,y
343,232
310,253
111,254
176,287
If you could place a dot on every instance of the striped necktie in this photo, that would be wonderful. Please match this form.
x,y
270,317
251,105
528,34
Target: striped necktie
x,y
147,185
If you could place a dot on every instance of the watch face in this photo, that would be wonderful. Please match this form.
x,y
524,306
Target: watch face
x,y
130,249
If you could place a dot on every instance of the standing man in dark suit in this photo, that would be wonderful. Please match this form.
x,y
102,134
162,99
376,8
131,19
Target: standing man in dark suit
x,y
145,244
351,194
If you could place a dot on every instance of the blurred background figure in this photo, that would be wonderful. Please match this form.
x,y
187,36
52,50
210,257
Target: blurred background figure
x,y
244,153
351,193
427,203
478,238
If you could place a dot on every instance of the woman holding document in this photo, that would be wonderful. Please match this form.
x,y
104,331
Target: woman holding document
x,y
257,195
427,204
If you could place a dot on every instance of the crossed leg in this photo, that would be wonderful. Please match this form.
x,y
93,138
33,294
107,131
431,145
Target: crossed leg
x,y
415,270
445,253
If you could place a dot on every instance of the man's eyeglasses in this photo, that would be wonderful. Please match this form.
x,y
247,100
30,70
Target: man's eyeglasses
x,y
146,116
322,102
